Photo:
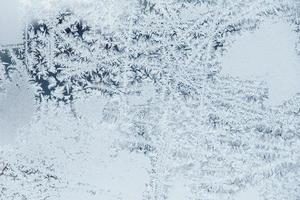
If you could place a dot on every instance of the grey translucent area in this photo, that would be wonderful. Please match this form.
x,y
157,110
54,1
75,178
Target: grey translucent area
x,y
267,55
17,106
11,22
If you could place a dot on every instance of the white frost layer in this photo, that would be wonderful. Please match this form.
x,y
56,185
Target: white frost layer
x,y
17,106
124,177
267,54
248,194
91,108
179,191
89,159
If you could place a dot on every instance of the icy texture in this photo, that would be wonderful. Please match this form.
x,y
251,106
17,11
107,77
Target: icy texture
x,y
132,103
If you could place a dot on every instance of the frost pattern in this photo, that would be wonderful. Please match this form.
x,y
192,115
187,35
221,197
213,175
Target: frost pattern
x,y
136,91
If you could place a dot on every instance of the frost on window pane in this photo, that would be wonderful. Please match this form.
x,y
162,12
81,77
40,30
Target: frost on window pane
x,y
151,100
